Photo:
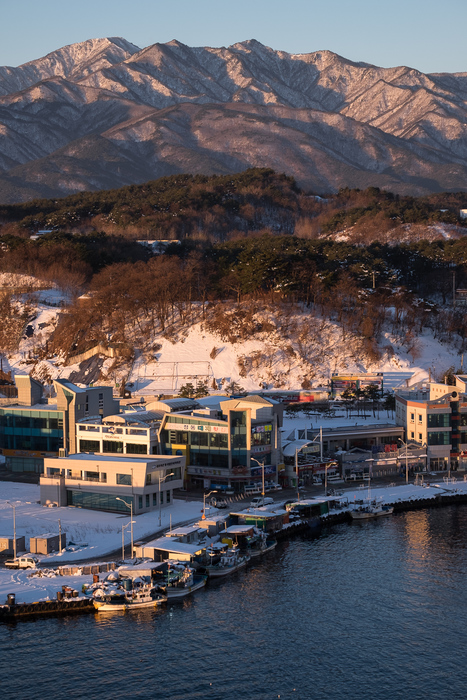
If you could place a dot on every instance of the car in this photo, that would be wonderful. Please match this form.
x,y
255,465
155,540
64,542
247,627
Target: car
x,y
261,501
28,562
219,502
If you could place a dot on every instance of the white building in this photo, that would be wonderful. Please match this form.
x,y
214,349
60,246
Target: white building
x,y
98,482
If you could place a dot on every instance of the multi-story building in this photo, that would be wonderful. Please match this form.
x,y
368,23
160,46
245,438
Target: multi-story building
x,y
228,444
435,415
131,432
33,427
111,483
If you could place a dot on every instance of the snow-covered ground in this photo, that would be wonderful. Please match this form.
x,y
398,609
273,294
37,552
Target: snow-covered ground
x,y
101,532
270,359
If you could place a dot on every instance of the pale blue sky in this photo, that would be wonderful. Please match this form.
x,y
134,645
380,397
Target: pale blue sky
x,y
424,34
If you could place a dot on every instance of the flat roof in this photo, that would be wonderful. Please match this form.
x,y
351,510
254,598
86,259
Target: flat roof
x,y
182,531
167,544
109,458
259,513
237,530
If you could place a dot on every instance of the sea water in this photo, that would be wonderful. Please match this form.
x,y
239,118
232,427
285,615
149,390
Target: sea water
x,y
371,611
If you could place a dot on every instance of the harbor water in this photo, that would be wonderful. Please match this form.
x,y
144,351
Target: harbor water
x,y
362,611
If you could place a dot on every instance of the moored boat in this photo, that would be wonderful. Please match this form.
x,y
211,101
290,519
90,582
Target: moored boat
x,y
182,580
125,595
371,510
225,562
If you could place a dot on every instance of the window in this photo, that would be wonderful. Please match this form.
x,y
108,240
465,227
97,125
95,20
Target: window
x,y
112,446
154,499
412,435
140,502
124,479
134,449
420,436
148,479
438,420
441,438
420,419
161,496
147,500
89,446
412,416
167,496
95,501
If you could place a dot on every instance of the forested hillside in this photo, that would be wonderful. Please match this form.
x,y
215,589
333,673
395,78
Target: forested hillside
x,y
254,252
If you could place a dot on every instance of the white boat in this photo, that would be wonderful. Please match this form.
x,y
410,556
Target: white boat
x,y
118,597
225,562
371,510
181,580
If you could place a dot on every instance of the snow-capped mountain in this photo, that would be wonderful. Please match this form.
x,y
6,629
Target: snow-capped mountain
x,y
104,113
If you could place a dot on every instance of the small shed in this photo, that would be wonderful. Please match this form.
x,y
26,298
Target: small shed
x,y
269,521
169,548
7,545
44,544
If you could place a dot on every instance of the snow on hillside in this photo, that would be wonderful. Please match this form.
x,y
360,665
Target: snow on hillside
x,y
311,353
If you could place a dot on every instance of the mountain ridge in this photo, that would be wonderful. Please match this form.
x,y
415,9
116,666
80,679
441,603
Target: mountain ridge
x,y
393,127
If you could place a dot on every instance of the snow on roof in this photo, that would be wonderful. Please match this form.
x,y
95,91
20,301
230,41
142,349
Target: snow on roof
x,y
183,531
289,449
237,530
167,544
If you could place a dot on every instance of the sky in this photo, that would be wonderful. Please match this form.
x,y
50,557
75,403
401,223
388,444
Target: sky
x,y
425,34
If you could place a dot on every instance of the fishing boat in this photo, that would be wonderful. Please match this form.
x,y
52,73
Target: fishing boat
x,y
259,544
181,580
250,539
125,595
370,510
225,561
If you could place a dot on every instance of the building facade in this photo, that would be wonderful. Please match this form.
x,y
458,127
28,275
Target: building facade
x,y
100,482
33,427
227,446
435,415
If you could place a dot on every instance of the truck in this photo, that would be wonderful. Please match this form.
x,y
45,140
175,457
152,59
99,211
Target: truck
x,y
26,562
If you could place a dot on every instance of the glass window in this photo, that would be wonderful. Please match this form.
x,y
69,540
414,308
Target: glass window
x,y
140,502
438,420
134,449
89,446
167,496
112,446
441,438
154,499
95,501
237,418
124,479
147,500
412,416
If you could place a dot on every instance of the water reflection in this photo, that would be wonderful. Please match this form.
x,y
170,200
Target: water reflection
x,y
359,612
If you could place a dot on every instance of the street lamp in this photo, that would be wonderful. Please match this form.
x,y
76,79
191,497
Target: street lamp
x,y
161,481
406,461
205,495
14,529
130,506
261,464
123,541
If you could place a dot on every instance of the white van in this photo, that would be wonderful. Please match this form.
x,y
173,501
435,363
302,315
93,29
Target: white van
x,y
260,501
